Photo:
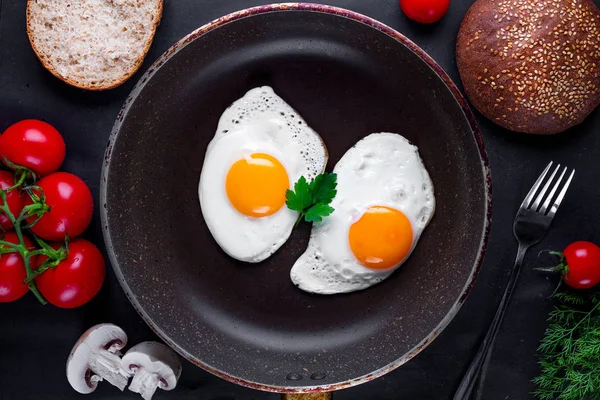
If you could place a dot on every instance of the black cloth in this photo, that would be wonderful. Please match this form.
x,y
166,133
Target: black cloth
x,y
35,340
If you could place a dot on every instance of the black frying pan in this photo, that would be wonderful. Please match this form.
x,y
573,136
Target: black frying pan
x,y
348,76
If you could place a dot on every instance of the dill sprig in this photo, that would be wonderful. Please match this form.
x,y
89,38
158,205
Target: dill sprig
x,y
569,353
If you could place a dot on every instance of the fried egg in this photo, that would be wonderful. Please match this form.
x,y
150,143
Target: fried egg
x,y
384,202
261,148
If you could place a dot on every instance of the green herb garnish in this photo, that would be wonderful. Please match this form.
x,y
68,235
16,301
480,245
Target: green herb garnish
x,y
570,350
312,199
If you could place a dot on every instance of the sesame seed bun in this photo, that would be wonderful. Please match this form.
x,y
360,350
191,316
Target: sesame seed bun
x,y
531,66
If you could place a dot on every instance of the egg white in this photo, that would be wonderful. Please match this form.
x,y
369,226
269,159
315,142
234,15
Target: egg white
x,y
259,122
382,169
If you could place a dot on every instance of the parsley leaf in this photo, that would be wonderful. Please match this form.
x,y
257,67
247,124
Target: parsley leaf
x,y
312,199
317,212
300,198
323,188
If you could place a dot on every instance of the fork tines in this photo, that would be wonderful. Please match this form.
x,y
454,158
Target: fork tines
x,y
538,201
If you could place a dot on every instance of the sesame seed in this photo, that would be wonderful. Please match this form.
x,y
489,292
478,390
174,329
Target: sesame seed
x,y
555,73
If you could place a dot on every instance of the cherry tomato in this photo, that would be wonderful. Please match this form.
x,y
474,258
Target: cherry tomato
x,y
76,279
14,198
71,207
425,11
34,144
582,261
12,271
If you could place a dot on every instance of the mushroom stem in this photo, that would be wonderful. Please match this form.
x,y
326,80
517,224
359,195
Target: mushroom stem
x,y
153,365
96,357
106,365
144,383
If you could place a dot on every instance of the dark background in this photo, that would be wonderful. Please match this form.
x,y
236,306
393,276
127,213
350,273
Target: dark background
x,y
35,340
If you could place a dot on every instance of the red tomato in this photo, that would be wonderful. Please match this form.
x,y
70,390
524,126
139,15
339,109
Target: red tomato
x,y
76,279
425,11
14,198
582,265
34,144
71,207
12,271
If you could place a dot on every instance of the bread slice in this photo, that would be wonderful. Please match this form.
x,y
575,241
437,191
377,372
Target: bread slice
x,y
92,44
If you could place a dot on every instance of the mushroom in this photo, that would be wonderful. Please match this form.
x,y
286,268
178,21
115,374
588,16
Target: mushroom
x,y
96,357
153,365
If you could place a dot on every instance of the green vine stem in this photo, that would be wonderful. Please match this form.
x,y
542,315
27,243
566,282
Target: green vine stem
x,y
21,173
21,249
19,180
37,209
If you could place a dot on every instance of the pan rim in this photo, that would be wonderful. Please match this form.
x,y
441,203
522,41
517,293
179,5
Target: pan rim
x,y
339,12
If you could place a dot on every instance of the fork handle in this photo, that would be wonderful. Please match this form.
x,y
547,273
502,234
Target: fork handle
x,y
479,361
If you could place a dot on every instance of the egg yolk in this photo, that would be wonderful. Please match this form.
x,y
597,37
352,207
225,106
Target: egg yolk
x,y
381,238
256,185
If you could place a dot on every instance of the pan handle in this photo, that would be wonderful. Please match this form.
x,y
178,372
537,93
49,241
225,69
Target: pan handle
x,y
307,396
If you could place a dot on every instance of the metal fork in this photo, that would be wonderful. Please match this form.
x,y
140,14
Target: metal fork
x,y
531,224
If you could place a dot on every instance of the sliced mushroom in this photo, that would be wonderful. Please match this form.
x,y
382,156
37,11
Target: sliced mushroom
x,y
96,357
153,366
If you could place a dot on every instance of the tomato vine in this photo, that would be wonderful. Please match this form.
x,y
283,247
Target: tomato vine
x,y
38,208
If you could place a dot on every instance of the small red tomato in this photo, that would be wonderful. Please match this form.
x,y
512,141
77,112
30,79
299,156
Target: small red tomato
x,y
12,271
425,11
14,198
71,207
34,144
581,265
76,279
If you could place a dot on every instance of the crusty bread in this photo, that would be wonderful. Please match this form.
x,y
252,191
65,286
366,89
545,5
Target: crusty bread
x,y
92,44
529,65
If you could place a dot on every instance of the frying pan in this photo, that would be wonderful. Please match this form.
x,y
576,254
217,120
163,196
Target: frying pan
x,y
348,76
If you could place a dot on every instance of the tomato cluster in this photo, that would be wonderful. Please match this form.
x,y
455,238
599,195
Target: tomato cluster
x,y
40,204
